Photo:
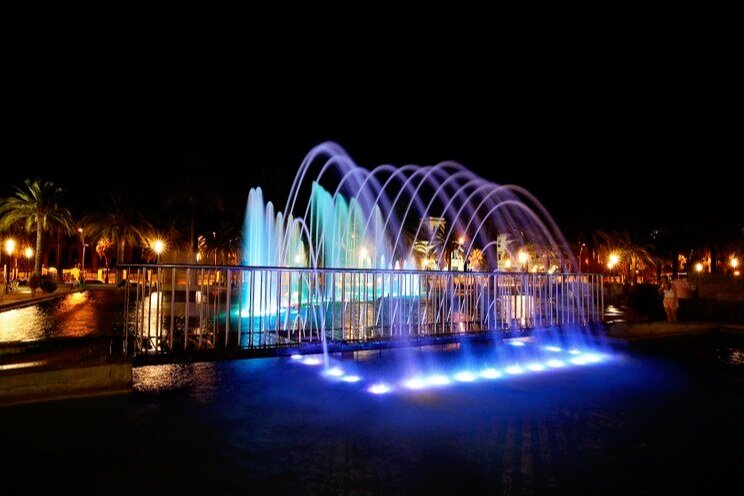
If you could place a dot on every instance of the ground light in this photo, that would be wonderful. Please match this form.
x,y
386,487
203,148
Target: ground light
x,y
420,382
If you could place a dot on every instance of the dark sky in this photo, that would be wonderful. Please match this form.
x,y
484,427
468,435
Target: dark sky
x,y
601,149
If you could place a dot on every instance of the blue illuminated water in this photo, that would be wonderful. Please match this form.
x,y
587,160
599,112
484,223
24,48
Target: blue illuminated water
x,y
646,421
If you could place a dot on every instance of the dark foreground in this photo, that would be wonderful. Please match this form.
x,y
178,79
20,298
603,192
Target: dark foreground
x,y
648,422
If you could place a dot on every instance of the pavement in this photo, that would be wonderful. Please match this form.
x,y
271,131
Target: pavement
x,y
646,330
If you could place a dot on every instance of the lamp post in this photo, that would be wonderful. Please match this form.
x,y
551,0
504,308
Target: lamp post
x,y
10,245
612,261
158,247
581,250
28,253
523,258
82,264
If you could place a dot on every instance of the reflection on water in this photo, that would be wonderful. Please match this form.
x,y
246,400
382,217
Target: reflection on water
x,y
666,421
200,378
74,315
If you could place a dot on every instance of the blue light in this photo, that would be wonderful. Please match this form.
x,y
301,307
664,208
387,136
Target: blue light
x,y
514,369
335,372
311,361
556,363
536,367
296,357
465,376
415,383
579,361
516,343
553,349
379,388
351,378
437,380
592,357
490,374
575,352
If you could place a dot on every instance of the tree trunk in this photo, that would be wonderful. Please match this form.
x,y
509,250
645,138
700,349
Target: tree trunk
x,y
58,255
37,258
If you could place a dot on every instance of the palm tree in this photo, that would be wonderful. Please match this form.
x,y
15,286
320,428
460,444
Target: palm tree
x,y
635,255
121,222
103,247
223,242
36,207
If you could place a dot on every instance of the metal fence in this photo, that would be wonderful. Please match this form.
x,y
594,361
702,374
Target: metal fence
x,y
184,308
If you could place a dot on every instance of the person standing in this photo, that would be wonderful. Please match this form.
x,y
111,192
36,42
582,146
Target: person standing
x,y
671,303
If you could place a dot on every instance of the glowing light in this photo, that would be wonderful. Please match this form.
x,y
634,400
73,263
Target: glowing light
x,y
592,357
465,376
335,372
437,380
556,363
737,273
575,352
415,383
379,388
461,240
363,252
28,252
298,258
698,267
523,257
296,357
351,378
10,245
514,369
507,264
490,374
734,262
158,246
613,260
536,367
516,343
311,361
579,360
553,349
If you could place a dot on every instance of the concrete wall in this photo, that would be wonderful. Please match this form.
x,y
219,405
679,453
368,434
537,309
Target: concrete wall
x,y
48,384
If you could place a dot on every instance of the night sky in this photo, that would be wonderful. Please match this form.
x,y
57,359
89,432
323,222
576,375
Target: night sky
x,y
600,153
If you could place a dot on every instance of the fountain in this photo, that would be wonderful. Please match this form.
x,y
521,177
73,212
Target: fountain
x,y
388,229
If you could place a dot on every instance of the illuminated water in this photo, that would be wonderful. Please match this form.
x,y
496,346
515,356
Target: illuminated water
x,y
651,421
93,312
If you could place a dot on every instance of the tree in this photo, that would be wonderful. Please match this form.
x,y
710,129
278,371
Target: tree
x,y
37,207
103,247
223,243
633,253
121,222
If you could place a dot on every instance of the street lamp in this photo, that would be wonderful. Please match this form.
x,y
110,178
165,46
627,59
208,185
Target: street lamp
x,y
82,263
612,261
523,258
158,246
28,252
10,245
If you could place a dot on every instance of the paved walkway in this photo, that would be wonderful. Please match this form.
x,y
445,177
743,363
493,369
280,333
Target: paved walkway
x,y
645,330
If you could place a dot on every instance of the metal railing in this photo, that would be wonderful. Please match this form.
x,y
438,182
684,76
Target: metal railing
x,y
186,308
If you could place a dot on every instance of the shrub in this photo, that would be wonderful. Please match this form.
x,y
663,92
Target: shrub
x,y
48,284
